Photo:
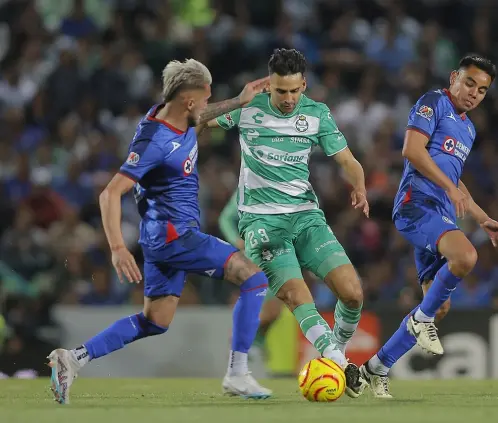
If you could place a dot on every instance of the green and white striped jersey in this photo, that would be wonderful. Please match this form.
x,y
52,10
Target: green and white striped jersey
x,y
274,172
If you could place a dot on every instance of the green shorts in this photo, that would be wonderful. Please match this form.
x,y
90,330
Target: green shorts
x,y
283,244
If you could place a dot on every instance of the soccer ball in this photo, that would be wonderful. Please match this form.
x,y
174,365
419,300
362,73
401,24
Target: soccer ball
x,y
321,380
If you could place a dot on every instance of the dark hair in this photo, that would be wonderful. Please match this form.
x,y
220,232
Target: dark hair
x,y
479,62
286,62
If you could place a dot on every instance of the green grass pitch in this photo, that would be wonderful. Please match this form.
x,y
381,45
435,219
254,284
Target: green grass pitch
x,y
200,400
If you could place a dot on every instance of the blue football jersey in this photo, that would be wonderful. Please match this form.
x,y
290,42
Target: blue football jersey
x,y
162,161
451,136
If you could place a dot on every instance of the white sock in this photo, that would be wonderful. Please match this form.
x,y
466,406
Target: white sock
x,y
80,355
341,346
420,316
377,367
334,354
237,363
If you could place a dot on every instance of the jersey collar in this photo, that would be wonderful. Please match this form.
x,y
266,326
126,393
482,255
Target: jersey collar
x,y
463,116
277,112
152,117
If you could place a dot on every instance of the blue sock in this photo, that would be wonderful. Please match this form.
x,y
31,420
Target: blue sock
x,y
444,284
246,312
398,345
120,333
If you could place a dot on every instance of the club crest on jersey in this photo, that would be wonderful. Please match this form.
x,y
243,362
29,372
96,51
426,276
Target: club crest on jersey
x,y
426,112
266,255
132,159
188,167
449,145
302,124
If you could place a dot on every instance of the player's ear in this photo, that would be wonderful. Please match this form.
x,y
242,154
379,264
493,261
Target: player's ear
x,y
190,104
304,84
453,77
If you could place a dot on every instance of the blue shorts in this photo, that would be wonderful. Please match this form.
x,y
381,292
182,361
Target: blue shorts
x,y
423,225
166,268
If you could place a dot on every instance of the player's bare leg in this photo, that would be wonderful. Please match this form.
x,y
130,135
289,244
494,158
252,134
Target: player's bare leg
x,y
154,320
253,285
376,373
345,284
462,257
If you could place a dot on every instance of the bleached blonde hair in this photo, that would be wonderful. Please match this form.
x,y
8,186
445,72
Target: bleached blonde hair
x,y
184,75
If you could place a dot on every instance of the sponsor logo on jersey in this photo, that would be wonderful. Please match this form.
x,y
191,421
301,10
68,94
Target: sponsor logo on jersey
x,y
189,163
284,157
300,140
426,112
133,159
329,242
302,124
456,148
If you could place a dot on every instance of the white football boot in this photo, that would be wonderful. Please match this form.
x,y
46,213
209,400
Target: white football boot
x,y
378,384
64,370
244,386
426,335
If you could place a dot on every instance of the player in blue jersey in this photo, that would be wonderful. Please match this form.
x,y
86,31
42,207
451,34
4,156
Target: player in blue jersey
x,y
431,196
162,170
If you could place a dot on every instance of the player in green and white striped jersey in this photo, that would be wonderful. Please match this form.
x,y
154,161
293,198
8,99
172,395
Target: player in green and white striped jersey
x,y
280,221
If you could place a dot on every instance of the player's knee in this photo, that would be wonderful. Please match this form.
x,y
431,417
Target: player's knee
x,y
351,293
353,298
443,310
160,311
294,294
463,263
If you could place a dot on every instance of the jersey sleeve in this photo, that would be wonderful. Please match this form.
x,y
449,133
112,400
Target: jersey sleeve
x,y
425,114
143,156
229,120
329,137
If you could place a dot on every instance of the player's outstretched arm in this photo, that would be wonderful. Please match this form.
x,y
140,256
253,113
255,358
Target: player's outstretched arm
x,y
356,177
415,152
110,207
481,217
212,111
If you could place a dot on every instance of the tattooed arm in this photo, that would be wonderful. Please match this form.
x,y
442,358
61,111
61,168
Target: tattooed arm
x,y
212,111
208,117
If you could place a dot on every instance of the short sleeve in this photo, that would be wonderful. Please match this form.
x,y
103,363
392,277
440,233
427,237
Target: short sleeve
x,y
143,156
229,120
330,138
424,116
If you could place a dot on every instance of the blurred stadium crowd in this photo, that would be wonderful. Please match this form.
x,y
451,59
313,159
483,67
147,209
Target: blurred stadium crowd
x,y
76,76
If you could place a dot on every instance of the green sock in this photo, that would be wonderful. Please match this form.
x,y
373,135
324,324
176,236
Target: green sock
x,y
346,322
318,332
